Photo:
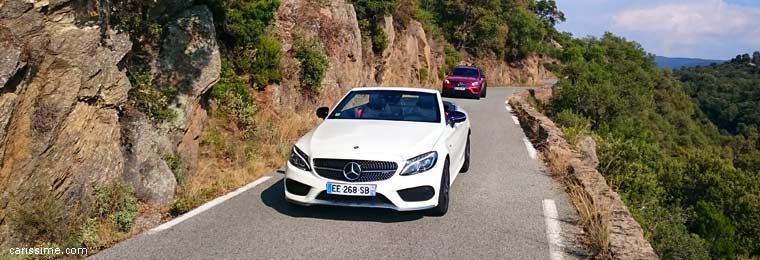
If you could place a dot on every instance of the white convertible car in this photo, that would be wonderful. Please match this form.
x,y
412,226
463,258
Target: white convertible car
x,y
397,148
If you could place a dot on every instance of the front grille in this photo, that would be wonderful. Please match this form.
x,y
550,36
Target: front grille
x,y
371,170
377,199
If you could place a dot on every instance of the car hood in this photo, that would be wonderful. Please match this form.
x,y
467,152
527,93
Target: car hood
x,y
397,140
461,78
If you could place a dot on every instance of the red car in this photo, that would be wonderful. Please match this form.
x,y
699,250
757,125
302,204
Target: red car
x,y
465,81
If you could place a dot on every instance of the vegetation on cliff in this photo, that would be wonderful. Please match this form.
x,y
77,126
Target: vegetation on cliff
x,y
675,170
508,30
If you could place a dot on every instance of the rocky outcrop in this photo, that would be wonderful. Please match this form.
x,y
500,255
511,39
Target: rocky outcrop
x,y
144,147
65,121
528,72
60,115
334,24
587,146
626,238
410,59
190,60
11,57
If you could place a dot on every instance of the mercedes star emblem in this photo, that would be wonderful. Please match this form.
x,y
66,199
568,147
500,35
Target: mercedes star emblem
x,y
352,171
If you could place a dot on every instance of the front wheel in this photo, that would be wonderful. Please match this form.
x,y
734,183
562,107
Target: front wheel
x,y
483,93
443,193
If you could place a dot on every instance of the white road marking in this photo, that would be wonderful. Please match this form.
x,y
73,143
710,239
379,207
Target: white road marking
x,y
516,120
509,109
208,205
531,150
553,230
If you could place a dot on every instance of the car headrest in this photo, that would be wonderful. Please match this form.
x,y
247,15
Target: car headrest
x,y
376,101
426,101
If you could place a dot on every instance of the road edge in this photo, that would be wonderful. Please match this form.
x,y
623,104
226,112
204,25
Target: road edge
x,y
624,233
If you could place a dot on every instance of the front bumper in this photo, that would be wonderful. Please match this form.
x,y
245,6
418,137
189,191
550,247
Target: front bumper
x,y
387,191
473,91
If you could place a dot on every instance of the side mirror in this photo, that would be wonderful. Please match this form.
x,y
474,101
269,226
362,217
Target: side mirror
x,y
457,116
322,112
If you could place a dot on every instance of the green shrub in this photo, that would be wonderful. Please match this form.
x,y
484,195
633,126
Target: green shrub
x,y
371,15
243,30
117,202
179,207
88,234
453,57
266,62
379,41
573,125
242,22
40,219
233,97
174,161
422,74
151,99
314,63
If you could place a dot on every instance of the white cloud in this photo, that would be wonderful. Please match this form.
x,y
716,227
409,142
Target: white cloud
x,y
684,26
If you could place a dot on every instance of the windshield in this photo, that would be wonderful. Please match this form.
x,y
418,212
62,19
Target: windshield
x,y
389,105
465,72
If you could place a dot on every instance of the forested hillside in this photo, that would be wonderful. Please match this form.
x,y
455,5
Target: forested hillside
x,y
681,178
729,94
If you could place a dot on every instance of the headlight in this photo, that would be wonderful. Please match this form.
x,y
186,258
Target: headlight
x,y
299,159
420,163
447,81
475,83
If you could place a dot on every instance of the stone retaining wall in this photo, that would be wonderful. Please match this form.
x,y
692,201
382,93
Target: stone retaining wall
x,y
625,234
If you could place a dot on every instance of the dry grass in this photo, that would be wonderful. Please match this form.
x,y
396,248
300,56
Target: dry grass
x,y
594,221
232,157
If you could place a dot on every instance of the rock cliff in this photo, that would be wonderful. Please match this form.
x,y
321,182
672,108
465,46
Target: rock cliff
x,y
65,123
412,58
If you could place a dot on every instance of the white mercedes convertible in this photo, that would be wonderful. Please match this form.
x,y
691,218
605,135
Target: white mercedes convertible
x,y
397,148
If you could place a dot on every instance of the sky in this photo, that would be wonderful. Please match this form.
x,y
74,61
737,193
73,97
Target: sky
x,y
710,29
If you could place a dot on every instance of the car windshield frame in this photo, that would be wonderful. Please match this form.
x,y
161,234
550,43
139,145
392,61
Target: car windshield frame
x,y
350,96
475,75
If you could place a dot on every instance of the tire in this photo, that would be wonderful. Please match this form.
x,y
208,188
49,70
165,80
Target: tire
x,y
466,165
484,92
443,196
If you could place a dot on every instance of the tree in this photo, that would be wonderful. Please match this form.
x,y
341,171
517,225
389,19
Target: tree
x,y
526,34
547,11
756,57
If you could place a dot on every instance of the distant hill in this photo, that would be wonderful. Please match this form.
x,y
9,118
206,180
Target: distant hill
x,y
677,63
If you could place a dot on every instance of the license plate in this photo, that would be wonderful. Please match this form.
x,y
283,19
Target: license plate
x,y
350,189
459,88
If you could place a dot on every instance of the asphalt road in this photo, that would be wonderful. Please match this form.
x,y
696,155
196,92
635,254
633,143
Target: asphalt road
x,y
497,212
